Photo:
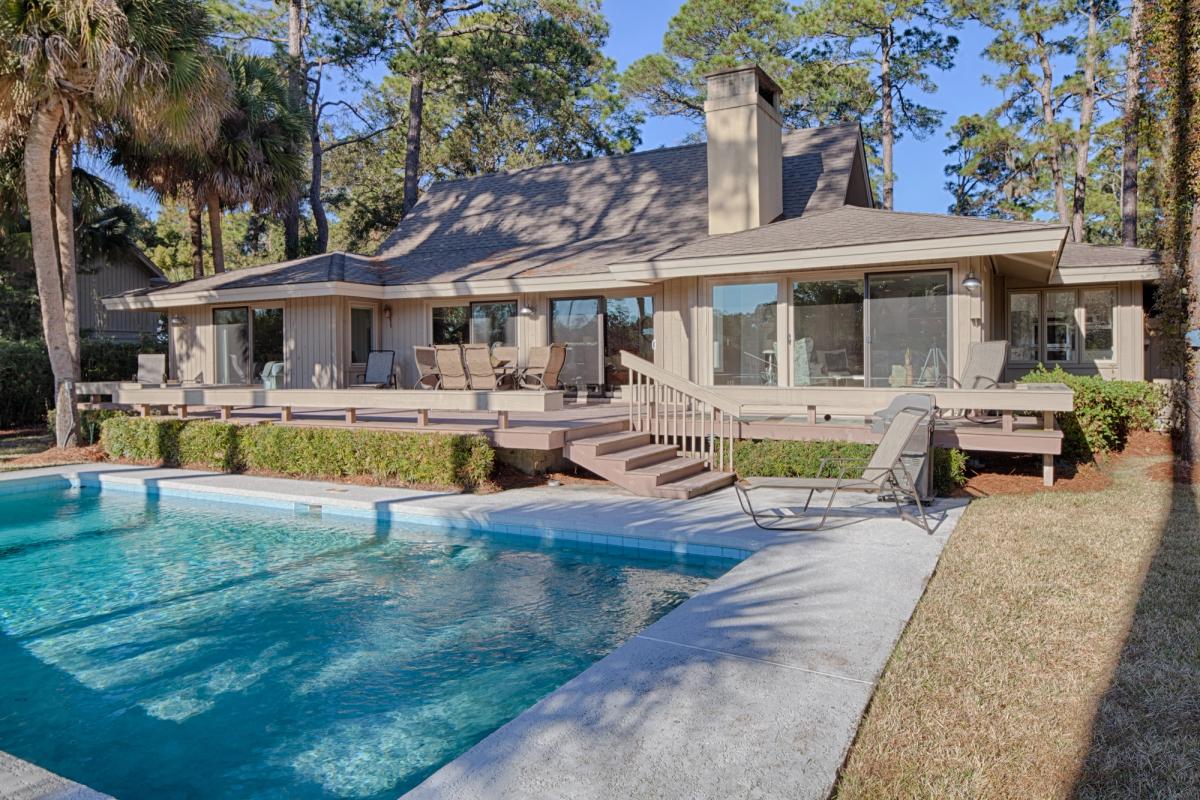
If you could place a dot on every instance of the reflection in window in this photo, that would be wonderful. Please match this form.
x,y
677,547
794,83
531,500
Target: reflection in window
x,y
361,337
494,323
909,328
1060,325
827,338
1024,324
450,324
628,326
231,331
744,334
268,337
1098,322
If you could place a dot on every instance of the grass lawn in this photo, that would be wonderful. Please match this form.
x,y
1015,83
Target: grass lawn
x,y
1056,653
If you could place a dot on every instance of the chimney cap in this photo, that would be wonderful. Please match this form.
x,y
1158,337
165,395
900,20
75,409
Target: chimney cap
x,y
764,80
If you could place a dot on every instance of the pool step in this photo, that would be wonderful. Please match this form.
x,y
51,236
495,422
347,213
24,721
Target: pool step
x,y
633,461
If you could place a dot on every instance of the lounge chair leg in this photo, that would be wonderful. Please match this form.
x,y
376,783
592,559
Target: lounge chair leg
x,y
809,500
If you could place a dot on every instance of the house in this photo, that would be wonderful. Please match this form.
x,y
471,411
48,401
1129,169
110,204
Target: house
x,y
756,260
125,270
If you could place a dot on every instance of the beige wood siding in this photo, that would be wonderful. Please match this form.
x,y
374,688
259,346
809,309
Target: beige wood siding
x,y
1129,332
409,327
677,346
99,279
315,342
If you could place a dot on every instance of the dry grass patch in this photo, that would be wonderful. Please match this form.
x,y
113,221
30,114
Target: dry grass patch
x,y
1024,631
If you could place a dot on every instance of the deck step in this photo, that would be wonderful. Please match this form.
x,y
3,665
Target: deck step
x,y
695,485
613,442
668,471
642,456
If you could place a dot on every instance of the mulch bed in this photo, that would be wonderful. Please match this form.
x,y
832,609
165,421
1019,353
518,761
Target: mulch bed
x,y
506,477
55,457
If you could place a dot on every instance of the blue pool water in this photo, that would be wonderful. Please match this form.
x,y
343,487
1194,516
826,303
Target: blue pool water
x,y
178,649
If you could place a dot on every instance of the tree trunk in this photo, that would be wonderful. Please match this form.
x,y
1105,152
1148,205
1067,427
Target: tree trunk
x,y
320,220
887,131
1054,150
1083,137
1130,120
38,178
1192,402
412,145
215,237
197,229
64,223
296,77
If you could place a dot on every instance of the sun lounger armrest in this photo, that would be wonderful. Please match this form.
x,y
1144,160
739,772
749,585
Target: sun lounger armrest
x,y
845,463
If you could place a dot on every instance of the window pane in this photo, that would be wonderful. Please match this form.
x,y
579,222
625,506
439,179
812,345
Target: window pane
x,y
629,326
231,328
744,334
1060,326
827,339
909,328
361,338
450,324
494,323
1023,326
268,337
1098,322
575,322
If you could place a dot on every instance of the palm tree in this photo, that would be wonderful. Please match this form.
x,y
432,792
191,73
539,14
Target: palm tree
x,y
68,70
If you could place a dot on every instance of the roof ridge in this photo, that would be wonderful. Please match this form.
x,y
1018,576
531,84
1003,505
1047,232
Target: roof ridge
x,y
936,215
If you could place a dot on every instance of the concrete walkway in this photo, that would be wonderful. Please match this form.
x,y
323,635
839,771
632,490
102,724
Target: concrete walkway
x,y
752,688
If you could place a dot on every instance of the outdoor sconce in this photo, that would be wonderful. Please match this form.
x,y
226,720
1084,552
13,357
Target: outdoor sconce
x,y
387,314
971,283
177,320
526,311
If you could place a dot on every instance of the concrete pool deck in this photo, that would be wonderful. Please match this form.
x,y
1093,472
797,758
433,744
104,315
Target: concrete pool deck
x,y
754,687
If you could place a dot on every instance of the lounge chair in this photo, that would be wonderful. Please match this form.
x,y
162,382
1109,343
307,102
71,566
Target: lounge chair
x,y
483,376
152,369
272,375
509,356
984,370
450,365
379,373
426,360
544,374
884,475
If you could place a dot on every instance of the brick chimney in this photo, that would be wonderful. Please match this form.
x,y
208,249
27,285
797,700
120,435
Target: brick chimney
x,y
745,150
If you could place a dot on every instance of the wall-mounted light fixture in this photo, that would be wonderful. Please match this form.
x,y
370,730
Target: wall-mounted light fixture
x,y
387,314
526,311
971,283
178,320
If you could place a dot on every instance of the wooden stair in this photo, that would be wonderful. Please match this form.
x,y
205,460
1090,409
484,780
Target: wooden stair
x,y
632,460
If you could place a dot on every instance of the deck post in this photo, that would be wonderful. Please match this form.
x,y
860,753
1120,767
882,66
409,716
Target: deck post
x,y
285,413
812,415
181,411
351,416
144,410
1006,421
422,417
1047,459
502,419
226,412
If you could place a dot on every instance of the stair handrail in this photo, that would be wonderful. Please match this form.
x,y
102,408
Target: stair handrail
x,y
714,398
698,421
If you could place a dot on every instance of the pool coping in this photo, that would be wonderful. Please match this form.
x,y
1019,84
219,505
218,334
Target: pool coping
x,y
691,706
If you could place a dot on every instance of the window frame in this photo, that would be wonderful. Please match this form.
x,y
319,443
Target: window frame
x,y
372,333
1079,316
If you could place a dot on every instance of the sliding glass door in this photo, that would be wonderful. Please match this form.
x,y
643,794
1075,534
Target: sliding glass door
x,y
908,329
231,333
628,326
578,323
827,333
745,334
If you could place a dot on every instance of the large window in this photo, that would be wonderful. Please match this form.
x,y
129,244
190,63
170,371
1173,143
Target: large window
x,y
267,335
575,322
827,333
494,323
450,324
629,326
745,334
1061,326
231,330
908,328
362,338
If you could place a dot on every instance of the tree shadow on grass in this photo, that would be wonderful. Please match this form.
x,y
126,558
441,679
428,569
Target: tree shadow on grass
x,y
1146,733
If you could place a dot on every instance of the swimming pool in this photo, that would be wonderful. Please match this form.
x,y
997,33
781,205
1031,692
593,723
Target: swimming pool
x,y
182,648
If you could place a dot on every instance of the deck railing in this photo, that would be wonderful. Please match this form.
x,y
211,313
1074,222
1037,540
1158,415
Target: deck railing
x,y
698,421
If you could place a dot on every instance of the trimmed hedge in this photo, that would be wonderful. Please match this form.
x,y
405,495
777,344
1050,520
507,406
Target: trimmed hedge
x,y
385,456
801,459
90,422
1105,411
27,384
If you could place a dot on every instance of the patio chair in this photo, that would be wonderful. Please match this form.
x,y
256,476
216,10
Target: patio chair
x,y
450,365
426,360
272,375
544,376
509,355
483,375
884,475
379,373
152,369
984,370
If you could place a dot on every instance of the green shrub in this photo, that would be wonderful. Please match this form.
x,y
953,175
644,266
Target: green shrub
x,y
27,383
386,456
801,459
1105,411
90,421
